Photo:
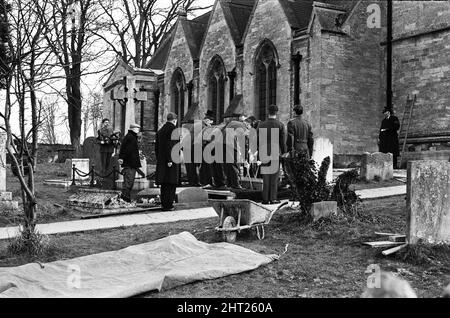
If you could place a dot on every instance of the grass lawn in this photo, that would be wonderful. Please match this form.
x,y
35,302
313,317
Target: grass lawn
x,y
324,260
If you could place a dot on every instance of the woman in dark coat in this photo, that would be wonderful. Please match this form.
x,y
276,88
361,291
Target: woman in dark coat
x,y
167,171
388,138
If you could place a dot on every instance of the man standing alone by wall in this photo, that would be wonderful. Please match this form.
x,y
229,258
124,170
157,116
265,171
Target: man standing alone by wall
x,y
166,170
129,159
299,133
388,138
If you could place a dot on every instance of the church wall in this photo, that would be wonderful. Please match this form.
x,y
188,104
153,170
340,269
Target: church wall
x,y
218,41
269,21
179,56
421,65
351,85
310,75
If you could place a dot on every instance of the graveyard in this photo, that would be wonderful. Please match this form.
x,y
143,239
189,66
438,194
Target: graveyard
x,y
324,259
224,149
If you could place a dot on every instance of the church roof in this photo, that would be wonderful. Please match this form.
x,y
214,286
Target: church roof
x,y
237,14
159,58
298,12
193,29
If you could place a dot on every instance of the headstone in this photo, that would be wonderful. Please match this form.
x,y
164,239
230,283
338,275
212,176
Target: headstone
x,y
190,195
377,165
83,167
323,148
91,150
428,201
323,209
139,183
6,201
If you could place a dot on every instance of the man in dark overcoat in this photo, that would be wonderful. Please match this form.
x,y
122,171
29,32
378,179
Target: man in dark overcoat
x,y
167,171
270,152
129,160
105,138
299,133
388,137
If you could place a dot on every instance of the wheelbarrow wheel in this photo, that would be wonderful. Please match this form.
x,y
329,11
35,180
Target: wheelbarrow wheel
x,y
228,223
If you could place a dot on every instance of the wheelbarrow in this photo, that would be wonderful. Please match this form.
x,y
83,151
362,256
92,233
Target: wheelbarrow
x,y
243,214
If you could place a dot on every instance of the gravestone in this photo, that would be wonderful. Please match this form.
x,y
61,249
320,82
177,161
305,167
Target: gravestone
x,y
91,150
428,201
323,148
6,201
139,183
377,164
190,195
323,209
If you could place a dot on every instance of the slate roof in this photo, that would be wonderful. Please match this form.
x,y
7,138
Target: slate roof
x,y
159,58
298,12
194,30
237,14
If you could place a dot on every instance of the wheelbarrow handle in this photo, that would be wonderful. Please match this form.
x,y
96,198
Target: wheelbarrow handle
x,y
278,208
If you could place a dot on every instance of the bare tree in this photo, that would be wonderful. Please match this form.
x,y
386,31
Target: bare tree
x,y
92,112
137,26
4,34
49,110
71,28
27,66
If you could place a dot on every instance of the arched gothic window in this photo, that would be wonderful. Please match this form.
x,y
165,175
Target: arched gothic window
x,y
178,87
266,64
216,88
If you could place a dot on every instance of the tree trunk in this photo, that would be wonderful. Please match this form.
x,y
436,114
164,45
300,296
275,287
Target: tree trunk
x,y
74,108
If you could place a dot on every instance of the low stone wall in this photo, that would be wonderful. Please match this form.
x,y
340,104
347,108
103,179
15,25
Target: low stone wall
x,y
347,160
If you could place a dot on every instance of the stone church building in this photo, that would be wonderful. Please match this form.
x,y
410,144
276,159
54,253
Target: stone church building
x,y
328,56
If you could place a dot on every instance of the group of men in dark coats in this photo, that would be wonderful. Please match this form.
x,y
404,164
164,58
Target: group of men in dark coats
x,y
222,174
226,173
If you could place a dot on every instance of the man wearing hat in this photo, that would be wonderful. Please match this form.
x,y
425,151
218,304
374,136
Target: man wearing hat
x,y
270,152
129,159
167,171
299,133
388,137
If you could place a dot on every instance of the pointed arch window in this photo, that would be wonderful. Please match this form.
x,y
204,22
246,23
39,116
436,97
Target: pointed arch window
x,y
216,88
266,64
178,88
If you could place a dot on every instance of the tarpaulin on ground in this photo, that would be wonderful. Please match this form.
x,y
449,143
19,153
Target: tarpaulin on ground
x,y
158,265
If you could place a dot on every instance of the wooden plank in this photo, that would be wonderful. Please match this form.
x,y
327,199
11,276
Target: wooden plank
x,y
393,250
383,244
385,234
